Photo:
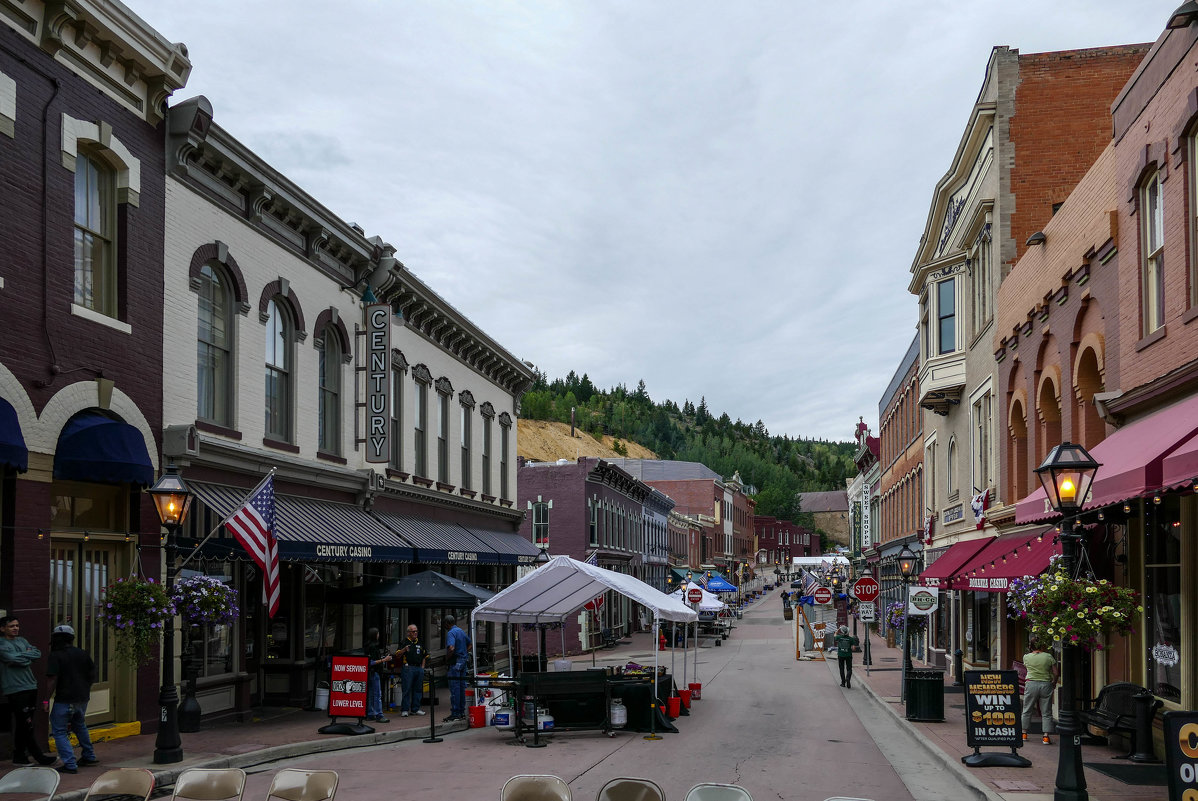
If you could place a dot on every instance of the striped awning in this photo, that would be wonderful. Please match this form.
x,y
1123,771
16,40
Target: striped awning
x,y
445,542
310,530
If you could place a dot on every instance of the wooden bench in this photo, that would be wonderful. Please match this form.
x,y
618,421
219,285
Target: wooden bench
x,y
1114,711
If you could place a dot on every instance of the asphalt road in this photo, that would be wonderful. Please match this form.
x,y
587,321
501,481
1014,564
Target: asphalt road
x,y
781,728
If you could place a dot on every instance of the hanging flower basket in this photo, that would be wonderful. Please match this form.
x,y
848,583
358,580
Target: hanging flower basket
x,y
896,614
205,601
136,610
1072,611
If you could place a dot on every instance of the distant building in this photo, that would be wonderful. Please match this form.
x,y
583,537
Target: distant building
x,y
830,511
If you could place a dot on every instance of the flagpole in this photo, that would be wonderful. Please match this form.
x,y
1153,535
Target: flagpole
x,y
218,526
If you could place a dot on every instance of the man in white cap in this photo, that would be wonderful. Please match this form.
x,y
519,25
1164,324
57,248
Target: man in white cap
x,y
71,673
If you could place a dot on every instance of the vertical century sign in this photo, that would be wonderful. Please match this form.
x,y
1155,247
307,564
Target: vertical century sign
x,y
378,385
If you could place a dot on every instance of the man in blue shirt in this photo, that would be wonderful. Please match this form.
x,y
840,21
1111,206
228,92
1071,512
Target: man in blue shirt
x,y
457,648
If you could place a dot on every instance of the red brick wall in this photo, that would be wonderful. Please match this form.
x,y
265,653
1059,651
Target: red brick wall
x,y
1061,123
901,458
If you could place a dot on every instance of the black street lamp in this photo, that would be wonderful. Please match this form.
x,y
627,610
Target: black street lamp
x,y
172,499
1066,475
906,566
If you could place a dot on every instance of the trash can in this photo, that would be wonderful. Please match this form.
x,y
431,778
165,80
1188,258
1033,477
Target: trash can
x,y
925,695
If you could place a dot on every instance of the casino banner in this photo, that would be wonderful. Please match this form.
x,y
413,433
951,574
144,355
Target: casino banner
x,y
993,709
1181,754
347,688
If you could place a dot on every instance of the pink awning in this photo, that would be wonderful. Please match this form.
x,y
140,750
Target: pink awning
x,y
1008,557
945,567
1181,466
1132,460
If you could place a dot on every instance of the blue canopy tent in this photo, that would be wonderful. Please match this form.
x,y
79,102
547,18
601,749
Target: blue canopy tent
x,y
718,584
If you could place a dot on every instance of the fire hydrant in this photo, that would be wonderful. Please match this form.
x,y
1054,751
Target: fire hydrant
x,y
661,641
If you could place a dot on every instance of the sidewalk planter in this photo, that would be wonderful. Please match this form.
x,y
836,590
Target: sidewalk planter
x,y
925,695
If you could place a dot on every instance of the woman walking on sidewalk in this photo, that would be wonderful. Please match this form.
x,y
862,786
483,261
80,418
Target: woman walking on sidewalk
x,y
1042,675
845,643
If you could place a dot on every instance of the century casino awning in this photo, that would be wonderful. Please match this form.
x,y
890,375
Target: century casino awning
x,y
1132,460
1006,558
308,530
946,566
446,542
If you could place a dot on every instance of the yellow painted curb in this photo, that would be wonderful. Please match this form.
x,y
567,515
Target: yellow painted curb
x,y
102,734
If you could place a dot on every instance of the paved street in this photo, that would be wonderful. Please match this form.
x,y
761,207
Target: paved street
x,y
780,728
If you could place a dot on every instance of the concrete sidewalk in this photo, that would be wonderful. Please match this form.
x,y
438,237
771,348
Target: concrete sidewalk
x,y
947,740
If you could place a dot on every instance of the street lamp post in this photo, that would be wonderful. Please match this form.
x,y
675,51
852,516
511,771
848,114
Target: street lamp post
x,y
1066,475
906,566
172,499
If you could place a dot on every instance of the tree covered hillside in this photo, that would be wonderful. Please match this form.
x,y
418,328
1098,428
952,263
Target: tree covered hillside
x,y
776,467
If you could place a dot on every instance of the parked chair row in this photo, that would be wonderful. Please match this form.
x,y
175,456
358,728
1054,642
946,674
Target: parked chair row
x,y
193,784
625,788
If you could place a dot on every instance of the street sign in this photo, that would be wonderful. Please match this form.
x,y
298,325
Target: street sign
x,y
822,595
867,611
866,589
694,595
922,601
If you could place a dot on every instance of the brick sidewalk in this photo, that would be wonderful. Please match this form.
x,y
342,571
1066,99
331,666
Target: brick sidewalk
x,y
884,681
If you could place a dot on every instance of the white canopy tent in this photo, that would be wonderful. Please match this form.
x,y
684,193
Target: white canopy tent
x,y
818,561
710,602
558,589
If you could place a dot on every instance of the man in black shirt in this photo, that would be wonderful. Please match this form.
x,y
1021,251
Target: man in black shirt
x,y
71,673
415,656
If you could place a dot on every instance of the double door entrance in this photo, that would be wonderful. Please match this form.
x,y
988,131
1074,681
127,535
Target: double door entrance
x,y
79,572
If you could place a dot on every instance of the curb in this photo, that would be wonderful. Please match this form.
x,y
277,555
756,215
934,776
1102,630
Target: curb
x,y
953,766
275,753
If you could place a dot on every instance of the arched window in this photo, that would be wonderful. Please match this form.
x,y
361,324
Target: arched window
x,y
278,371
1152,261
951,476
95,235
328,414
214,346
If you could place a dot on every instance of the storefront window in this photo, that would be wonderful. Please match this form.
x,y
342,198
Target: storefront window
x,y
1162,598
95,507
320,621
212,646
978,611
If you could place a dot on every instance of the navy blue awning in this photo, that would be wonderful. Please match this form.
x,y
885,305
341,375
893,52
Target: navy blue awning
x,y
93,447
440,542
12,445
307,530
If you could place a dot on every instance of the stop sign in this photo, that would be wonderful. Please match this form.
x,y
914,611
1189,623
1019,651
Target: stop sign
x,y
694,595
866,589
823,595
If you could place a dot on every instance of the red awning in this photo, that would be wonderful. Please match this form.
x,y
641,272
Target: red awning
x,y
1181,466
1025,554
939,572
1132,460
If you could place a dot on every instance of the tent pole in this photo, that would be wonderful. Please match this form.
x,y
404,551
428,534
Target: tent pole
x,y
511,664
686,628
673,643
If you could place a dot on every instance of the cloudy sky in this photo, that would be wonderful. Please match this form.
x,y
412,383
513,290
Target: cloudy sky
x,y
720,198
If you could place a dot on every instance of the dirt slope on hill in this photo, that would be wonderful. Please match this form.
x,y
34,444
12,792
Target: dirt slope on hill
x,y
543,441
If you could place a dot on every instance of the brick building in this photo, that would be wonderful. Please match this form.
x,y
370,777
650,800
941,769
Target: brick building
x,y
83,89
783,540
1039,123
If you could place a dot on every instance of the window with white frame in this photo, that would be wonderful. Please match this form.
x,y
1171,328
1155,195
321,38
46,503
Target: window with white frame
x,y
1152,265
278,371
540,524
214,346
982,446
593,522
981,274
486,455
929,460
505,429
95,234
946,316
466,413
442,437
328,411
420,430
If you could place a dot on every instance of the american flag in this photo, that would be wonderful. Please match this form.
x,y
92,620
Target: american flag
x,y
254,527
593,559
809,583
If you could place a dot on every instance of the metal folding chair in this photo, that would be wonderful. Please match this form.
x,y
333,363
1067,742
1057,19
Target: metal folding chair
x,y
135,782
291,784
628,788
31,780
210,784
710,791
530,787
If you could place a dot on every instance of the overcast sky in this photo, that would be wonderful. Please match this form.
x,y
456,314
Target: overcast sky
x,y
720,198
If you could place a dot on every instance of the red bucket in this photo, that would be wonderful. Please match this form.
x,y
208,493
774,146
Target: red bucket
x,y
685,697
478,717
674,706
696,691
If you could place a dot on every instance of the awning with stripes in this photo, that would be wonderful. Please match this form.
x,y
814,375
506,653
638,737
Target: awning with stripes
x,y
444,542
309,530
